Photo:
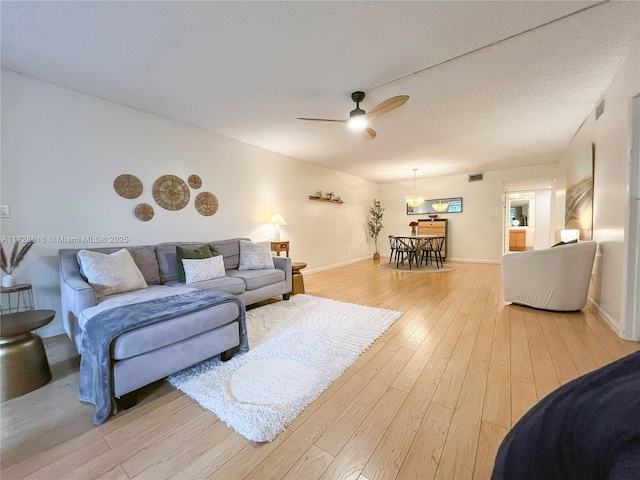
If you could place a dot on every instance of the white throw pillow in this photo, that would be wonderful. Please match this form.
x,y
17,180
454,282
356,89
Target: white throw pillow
x,y
111,273
199,270
255,256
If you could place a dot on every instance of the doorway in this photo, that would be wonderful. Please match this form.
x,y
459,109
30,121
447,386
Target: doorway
x,y
527,215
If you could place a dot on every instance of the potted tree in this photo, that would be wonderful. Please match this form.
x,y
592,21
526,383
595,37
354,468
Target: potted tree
x,y
375,224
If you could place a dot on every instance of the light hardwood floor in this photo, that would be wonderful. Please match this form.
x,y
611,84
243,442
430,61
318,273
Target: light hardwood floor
x,y
432,398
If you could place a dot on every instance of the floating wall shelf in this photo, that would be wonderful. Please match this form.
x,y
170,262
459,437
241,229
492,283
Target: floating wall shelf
x,y
312,197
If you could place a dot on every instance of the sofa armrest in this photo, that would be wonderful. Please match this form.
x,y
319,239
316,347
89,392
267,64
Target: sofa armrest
x,y
76,294
284,264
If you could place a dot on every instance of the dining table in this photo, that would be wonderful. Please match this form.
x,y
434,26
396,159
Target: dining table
x,y
412,246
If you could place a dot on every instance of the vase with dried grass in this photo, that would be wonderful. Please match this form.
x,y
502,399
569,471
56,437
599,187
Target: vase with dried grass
x,y
9,265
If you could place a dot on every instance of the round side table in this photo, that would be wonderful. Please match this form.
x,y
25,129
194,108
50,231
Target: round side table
x,y
23,361
297,282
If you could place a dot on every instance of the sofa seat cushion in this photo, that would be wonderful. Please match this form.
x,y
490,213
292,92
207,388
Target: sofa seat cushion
x,y
235,286
152,337
258,278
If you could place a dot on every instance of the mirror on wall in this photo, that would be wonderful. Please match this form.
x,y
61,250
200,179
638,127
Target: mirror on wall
x,y
437,205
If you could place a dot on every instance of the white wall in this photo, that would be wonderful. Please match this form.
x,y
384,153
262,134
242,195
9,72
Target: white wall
x,y
542,225
612,136
61,151
476,233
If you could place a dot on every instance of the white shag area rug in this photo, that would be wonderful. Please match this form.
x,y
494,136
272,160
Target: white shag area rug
x,y
297,349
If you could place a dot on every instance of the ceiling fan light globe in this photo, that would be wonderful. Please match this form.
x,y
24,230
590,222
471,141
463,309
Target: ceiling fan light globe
x,y
358,122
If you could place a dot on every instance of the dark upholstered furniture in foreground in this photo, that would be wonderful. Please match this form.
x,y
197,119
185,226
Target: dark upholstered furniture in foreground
x,y
587,429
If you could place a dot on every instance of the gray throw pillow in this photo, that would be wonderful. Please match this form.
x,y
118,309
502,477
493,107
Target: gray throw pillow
x,y
255,256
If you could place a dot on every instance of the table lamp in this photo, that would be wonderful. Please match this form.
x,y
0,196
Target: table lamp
x,y
277,220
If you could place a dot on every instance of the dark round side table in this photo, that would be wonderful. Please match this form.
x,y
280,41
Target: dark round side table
x,y
297,282
23,361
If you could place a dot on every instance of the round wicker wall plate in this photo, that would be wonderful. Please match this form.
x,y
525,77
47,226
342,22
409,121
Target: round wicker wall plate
x,y
170,192
128,186
144,212
195,181
206,204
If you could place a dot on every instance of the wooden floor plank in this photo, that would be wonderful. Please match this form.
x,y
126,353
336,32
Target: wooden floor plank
x,y
352,458
459,452
490,438
421,462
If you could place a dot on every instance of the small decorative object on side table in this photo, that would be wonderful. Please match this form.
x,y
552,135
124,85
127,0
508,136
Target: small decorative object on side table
x,y
24,365
297,282
280,246
23,298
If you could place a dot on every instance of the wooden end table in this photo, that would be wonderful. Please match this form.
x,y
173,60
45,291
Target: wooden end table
x,y
280,246
297,282
23,361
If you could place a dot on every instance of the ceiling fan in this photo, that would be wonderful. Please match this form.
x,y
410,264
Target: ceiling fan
x,y
359,119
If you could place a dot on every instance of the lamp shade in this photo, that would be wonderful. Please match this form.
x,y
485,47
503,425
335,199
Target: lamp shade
x,y
277,220
569,235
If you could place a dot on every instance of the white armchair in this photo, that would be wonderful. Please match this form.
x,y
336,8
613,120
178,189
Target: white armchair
x,y
553,279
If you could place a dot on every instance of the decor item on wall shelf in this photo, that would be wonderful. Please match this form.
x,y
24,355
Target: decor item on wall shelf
x,y
414,200
144,212
432,216
206,204
375,224
10,264
276,221
171,192
337,200
195,181
128,186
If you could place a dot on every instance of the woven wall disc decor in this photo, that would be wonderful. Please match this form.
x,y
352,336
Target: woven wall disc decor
x,y
170,192
206,204
195,181
128,186
144,212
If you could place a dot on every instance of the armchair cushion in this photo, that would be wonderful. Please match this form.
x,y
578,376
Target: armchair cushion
x,y
551,279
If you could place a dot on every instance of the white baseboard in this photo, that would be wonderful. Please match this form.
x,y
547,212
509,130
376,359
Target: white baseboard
x,y
606,317
336,265
473,260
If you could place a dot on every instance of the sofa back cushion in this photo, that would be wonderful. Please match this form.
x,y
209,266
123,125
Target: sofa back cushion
x,y
230,250
168,259
144,258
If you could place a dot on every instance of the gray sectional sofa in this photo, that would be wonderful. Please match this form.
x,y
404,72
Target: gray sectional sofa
x,y
148,354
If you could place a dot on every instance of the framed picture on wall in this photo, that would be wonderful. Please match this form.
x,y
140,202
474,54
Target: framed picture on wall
x,y
579,201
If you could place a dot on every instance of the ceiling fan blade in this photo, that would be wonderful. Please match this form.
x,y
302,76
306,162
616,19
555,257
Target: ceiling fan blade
x,y
387,106
322,120
369,133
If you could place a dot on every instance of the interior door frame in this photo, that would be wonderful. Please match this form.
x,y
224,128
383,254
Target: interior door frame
x,y
631,325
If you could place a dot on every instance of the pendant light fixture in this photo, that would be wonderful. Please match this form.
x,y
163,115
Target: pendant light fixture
x,y
414,200
440,206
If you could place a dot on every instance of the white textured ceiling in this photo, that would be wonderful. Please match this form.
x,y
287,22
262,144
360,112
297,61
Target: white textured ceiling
x,y
246,70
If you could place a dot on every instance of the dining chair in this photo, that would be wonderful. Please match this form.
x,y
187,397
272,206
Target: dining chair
x,y
433,246
405,248
393,244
